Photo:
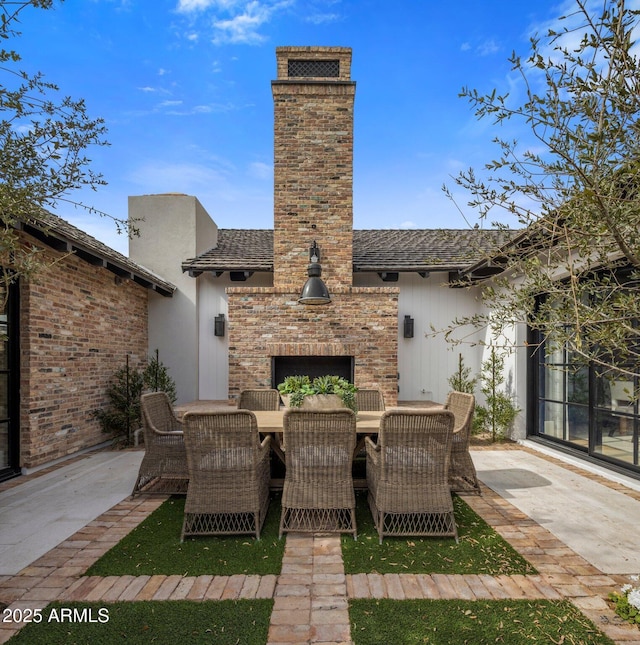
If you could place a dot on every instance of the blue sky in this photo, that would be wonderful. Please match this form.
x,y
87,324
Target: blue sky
x,y
185,89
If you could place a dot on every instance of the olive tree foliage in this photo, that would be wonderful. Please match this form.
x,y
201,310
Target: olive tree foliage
x,y
43,142
574,184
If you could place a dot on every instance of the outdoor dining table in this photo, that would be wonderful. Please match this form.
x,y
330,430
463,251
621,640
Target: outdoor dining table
x,y
271,422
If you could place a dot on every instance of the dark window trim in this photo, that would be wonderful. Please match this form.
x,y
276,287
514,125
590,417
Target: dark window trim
x,y
13,368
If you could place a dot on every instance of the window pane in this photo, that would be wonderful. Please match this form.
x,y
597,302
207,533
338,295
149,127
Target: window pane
x,y
552,419
578,385
615,436
578,424
4,396
4,445
554,383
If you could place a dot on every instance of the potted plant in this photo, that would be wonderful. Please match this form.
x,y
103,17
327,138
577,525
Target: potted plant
x,y
323,391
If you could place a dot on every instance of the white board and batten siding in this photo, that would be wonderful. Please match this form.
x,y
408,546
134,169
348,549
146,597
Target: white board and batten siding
x,y
426,361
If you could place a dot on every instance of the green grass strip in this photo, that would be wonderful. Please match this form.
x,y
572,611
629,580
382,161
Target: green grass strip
x,y
154,548
456,622
225,622
479,549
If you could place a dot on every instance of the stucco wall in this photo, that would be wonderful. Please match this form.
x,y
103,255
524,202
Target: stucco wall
x,y
173,227
78,322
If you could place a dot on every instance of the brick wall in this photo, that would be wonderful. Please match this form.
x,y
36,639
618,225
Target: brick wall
x,y
313,170
360,322
77,324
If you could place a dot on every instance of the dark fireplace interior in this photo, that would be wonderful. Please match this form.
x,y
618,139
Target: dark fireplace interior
x,y
312,366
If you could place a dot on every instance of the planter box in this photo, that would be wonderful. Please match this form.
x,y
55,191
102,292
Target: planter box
x,y
317,401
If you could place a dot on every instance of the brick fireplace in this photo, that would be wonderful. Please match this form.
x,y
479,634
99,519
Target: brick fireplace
x,y
313,201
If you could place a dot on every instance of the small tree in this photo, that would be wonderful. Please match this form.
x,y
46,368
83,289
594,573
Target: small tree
x,y
122,418
572,179
461,380
156,378
499,413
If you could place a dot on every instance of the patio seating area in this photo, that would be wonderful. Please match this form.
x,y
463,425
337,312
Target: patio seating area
x,y
312,592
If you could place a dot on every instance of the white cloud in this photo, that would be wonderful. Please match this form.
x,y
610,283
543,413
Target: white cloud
x,y
189,178
236,21
188,6
242,28
260,170
322,18
488,47
408,224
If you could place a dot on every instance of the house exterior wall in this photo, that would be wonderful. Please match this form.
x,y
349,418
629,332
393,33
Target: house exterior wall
x,y
267,322
426,361
173,227
213,381
77,325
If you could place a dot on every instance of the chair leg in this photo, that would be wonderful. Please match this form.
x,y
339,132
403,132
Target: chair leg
x,y
135,488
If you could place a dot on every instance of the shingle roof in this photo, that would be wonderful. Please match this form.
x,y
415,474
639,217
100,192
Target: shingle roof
x,y
422,249
63,236
373,250
237,250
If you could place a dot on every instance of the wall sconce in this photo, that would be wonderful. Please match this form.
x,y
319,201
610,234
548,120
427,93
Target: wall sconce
x,y
408,327
218,325
315,291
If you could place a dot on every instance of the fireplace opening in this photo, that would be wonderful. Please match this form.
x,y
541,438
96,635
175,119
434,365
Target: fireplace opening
x,y
312,366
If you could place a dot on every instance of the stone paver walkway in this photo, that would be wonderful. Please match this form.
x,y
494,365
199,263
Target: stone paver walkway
x,y
311,593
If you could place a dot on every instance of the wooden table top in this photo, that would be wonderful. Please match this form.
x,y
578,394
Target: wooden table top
x,y
271,421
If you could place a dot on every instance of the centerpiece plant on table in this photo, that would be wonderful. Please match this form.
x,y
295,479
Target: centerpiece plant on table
x,y
295,389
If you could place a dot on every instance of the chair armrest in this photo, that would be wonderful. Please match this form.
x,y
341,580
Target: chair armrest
x,y
170,433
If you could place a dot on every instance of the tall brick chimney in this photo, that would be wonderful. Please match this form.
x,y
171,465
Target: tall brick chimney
x,y
313,164
269,328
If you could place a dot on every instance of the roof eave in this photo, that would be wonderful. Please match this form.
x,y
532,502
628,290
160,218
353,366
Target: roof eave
x,y
60,242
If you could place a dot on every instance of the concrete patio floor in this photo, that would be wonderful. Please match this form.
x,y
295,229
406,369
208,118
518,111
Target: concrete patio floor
x,y
576,526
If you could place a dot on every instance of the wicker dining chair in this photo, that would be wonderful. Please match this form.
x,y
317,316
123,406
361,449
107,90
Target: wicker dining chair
x,y
228,474
318,493
369,400
462,472
407,474
259,400
164,465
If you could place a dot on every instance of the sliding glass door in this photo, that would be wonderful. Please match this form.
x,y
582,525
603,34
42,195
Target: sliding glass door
x,y
585,406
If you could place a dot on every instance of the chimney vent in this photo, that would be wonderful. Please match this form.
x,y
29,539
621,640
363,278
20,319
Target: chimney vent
x,y
313,68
